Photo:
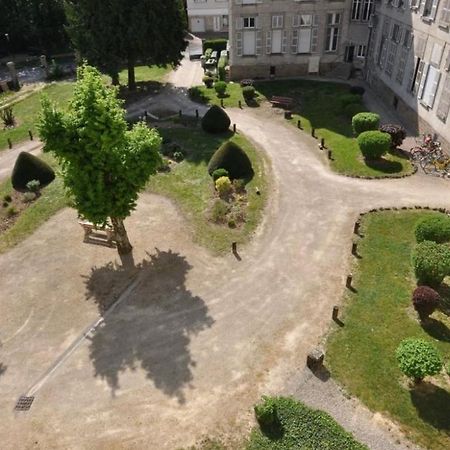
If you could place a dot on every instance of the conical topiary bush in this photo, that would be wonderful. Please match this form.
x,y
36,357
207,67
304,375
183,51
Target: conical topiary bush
x,y
232,158
28,167
216,120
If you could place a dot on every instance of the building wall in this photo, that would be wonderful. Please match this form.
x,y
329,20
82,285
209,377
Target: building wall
x,y
290,60
409,66
207,11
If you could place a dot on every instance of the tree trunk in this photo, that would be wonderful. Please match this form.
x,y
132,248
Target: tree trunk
x,y
123,243
115,79
131,75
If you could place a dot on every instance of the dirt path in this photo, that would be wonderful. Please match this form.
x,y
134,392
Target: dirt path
x,y
200,338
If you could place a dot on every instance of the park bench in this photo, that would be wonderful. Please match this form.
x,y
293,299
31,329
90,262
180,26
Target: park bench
x,y
95,234
285,102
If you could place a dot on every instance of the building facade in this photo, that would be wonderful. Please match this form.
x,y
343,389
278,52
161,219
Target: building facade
x,y
208,16
296,37
409,61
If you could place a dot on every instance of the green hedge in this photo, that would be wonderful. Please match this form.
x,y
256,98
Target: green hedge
x,y
299,427
436,229
365,121
431,263
215,44
374,144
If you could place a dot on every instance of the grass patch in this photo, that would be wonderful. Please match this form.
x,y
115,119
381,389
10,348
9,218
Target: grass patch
x,y
191,187
377,317
231,99
302,428
319,106
26,112
146,73
53,199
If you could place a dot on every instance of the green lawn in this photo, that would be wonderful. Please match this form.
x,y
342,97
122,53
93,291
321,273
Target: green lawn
x,y
319,107
231,99
191,187
53,199
361,354
146,73
26,112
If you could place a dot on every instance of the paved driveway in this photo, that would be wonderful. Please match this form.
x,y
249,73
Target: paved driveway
x,y
197,339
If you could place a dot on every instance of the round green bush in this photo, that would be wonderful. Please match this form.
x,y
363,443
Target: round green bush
x,y
365,121
216,120
233,159
418,358
436,229
374,144
266,413
220,88
431,263
425,301
352,109
209,81
397,133
220,173
27,168
248,92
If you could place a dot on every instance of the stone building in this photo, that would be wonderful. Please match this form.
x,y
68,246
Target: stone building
x,y
296,37
409,61
208,16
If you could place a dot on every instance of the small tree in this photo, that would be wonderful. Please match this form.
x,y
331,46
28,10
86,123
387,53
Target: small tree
x,y
425,301
104,165
220,88
373,144
365,121
418,358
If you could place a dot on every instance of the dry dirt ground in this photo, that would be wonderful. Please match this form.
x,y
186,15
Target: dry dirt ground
x,y
195,339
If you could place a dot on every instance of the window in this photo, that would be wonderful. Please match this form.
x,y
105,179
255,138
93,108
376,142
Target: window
x,y
396,33
429,86
444,102
332,38
277,21
392,52
436,54
444,19
356,9
401,66
367,10
249,22
304,40
429,10
407,37
361,51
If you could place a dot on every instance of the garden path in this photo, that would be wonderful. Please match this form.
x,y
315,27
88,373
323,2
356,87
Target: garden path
x,y
197,339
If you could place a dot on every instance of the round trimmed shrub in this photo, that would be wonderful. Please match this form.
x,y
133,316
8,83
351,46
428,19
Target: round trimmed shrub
x,y
216,120
365,121
220,88
266,413
209,81
436,229
373,144
248,92
27,168
431,263
220,173
418,358
397,133
223,186
358,90
425,301
233,159
352,109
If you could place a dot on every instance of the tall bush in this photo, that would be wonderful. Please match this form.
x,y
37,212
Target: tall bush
x,y
248,92
220,88
365,121
418,358
216,120
232,158
373,144
435,228
29,167
431,263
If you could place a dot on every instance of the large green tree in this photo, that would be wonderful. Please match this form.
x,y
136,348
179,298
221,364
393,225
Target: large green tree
x,y
115,33
104,166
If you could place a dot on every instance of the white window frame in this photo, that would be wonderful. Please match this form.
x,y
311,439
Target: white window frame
x,y
277,21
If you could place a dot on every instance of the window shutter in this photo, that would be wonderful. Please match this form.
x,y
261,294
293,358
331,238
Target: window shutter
x,y
434,9
444,102
411,82
284,42
314,39
239,23
258,43
296,20
423,79
434,88
421,44
447,62
239,43
268,42
294,42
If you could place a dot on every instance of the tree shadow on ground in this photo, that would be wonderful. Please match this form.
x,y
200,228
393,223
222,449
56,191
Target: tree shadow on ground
x,y
437,329
2,369
384,165
444,304
152,328
433,405
143,90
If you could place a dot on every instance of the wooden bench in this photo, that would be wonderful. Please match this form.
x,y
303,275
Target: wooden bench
x,y
97,235
285,102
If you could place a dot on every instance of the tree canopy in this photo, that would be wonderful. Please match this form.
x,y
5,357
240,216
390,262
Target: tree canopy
x,y
104,165
113,33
